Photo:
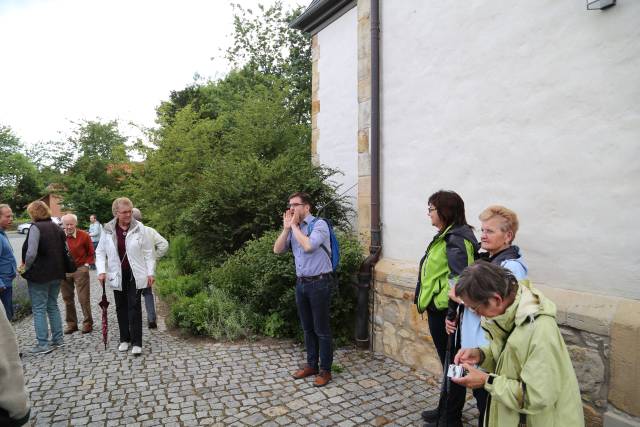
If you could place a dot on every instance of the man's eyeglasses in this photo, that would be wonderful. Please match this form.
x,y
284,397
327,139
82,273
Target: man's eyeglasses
x,y
294,205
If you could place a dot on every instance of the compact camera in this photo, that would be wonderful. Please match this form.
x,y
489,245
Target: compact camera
x,y
456,371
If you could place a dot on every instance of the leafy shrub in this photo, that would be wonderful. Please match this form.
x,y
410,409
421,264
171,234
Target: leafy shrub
x,y
172,284
265,283
213,314
21,299
181,254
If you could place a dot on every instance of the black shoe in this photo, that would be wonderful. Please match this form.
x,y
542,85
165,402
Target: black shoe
x,y
153,325
442,422
430,415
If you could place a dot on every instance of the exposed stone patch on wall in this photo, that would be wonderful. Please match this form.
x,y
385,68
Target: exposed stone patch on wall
x,y
315,99
364,124
590,361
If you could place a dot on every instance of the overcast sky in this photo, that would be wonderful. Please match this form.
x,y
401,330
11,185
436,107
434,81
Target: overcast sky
x,y
63,60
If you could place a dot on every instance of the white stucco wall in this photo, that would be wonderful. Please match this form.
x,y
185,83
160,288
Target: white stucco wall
x,y
338,94
532,105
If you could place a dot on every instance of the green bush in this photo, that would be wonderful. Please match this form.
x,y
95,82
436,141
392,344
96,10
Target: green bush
x,y
265,283
253,293
213,314
21,299
182,256
172,284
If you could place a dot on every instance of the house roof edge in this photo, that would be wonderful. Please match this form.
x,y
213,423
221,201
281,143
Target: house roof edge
x,y
320,12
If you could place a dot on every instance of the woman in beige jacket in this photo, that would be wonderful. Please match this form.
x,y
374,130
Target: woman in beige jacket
x,y
14,403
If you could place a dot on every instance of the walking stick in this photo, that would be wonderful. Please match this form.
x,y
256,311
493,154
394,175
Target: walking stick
x,y
446,381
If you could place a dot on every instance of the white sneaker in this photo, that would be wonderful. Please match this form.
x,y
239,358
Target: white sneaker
x,y
124,346
136,351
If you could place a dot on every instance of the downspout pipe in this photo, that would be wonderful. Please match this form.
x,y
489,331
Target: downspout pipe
x,y
365,274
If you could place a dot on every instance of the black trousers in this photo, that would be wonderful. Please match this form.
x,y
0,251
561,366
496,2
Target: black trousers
x,y
455,402
481,396
456,397
129,310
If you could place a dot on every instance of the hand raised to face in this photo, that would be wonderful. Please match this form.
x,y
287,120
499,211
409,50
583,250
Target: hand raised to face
x,y
287,217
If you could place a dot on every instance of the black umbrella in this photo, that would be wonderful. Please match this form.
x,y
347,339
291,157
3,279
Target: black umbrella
x,y
104,303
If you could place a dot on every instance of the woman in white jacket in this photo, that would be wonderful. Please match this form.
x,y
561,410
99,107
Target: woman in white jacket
x,y
124,260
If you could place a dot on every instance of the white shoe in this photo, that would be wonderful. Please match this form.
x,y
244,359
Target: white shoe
x,y
124,346
136,351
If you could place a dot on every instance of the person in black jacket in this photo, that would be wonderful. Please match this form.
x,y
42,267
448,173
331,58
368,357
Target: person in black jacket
x,y
452,249
43,266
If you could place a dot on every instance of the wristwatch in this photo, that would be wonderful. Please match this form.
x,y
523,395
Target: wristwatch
x,y
490,379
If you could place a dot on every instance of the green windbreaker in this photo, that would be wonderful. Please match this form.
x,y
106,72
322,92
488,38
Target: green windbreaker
x,y
534,374
447,255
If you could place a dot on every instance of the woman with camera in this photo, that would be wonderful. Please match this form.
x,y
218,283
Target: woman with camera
x,y
527,369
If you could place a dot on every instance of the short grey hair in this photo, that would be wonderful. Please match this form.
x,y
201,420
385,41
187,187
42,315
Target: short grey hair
x,y
482,280
4,206
137,215
119,202
72,216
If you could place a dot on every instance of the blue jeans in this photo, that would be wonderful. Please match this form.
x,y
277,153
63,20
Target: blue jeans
x,y
44,303
7,300
314,301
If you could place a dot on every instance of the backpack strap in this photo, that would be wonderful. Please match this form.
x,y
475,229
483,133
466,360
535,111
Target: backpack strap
x,y
326,251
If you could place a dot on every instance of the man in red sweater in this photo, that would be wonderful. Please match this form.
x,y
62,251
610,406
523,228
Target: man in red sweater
x,y
82,252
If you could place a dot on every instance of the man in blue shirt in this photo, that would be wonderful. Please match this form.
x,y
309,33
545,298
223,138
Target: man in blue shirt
x,y
7,261
313,284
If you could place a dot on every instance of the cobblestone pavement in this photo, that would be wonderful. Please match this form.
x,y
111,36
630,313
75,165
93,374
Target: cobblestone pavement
x,y
199,382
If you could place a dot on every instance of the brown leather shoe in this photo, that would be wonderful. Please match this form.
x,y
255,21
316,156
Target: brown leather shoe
x,y
87,328
322,379
304,372
70,329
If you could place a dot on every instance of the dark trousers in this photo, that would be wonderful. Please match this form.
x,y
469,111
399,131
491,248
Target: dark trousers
x,y
456,396
314,300
481,396
129,310
6,295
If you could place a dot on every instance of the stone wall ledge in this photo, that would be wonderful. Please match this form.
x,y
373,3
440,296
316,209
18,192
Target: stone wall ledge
x,y
581,310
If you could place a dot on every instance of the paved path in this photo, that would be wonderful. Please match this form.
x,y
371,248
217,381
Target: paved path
x,y
199,382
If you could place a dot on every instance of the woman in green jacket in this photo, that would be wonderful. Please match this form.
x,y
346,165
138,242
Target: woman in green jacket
x,y
531,381
451,250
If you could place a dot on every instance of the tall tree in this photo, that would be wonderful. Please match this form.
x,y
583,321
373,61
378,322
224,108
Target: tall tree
x,y
263,41
229,152
98,171
20,182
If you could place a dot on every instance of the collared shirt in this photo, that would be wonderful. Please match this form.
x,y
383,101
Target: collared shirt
x,y
81,248
95,230
7,261
316,261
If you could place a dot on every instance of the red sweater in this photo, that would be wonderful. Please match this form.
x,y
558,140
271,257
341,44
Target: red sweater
x,y
81,248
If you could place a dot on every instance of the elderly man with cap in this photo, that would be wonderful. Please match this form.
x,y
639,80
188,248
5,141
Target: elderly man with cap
x,y
159,246
82,252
